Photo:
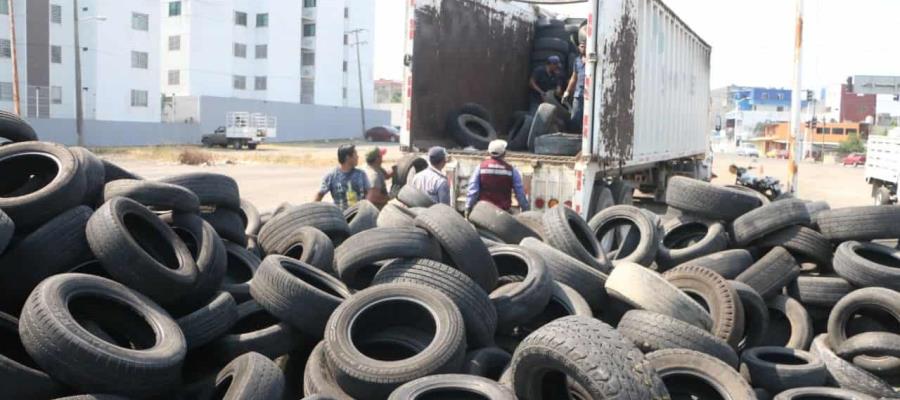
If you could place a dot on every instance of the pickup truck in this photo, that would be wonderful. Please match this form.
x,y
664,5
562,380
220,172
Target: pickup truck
x,y
647,94
242,129
883,167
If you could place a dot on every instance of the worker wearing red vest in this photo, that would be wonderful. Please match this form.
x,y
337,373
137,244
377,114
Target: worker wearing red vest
x,y
495,181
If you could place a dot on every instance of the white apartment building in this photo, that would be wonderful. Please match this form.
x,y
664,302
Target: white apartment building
x,y
119,57
267,50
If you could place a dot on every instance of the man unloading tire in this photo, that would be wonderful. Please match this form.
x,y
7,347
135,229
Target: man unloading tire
x,y
495,180
544,79
575,91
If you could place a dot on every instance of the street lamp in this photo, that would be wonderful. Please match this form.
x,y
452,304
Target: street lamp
x,y
79,100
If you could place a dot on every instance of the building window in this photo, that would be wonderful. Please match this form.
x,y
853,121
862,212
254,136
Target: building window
x,y
56,13
309,30
345,66
175,43
140,59
851,131
5,48
174,8
6,91
262,51
240,82
260,83
837,131
56,54
780,96
346,39
140,22
780,109
307,59
56,94
309,3
307,91
262,20
4,8
240,50
139,98
240,18
346,12
174,77
344,90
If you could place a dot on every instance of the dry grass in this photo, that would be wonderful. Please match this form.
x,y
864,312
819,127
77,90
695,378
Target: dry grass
x,y
195,157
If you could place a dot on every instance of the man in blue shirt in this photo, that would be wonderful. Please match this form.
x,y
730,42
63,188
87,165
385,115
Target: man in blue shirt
x,y
347,184
432,181
494,180
575,91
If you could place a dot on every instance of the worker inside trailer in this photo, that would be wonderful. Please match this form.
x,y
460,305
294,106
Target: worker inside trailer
x,y
546,78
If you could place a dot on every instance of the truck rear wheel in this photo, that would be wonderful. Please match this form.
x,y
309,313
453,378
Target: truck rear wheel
x,y
882,197
251,146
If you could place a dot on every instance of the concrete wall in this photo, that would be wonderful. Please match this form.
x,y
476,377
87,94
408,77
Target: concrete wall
x,y
116,133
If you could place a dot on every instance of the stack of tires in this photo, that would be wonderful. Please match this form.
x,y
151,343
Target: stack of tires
x,y
471,126
118,287
557,38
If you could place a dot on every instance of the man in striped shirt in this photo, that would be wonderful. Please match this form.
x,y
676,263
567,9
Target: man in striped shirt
x,y
432,181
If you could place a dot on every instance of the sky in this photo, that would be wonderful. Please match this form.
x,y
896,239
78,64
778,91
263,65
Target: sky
x,y
752,40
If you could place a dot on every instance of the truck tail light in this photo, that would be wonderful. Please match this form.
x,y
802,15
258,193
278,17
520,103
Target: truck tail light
x,y
539,203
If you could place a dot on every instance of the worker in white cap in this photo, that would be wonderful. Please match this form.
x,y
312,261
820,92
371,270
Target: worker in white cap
x,y
495,181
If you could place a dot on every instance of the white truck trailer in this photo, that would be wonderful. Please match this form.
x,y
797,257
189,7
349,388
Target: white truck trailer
x,y
883,167
647,94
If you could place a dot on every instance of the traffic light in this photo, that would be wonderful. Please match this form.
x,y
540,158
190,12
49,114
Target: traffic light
x,y
809,95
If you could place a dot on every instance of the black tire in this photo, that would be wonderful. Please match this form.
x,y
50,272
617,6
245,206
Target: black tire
x,y
568,232
552,43
644,289
477,110
14,129
588,282
308,245
721,300
487,362
255,331
728,263
804,243
606,222
40,181
212,189
240,269
20,376
534,220
251,376
707,200
250,216
881,299
114,172
500,223
478,312
358,259
868,265
518,303
145,359
772,273
470,130
414,197
715,377
777,369
860,223
592,355
29,260
228,224
767,219
558,144
799,321
844,374
297,293
361,216
450,385
518,136
461,242
370,376
411,163
824,393
7,228
157,196
209,322
686,238
543,122
819,291
208,251
395,215
880,343
327,218
318,378
94,176
651,331
756,315
564,301
141,251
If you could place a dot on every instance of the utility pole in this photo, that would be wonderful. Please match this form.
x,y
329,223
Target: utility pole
x,y
362,106
795,143
14,56
79,91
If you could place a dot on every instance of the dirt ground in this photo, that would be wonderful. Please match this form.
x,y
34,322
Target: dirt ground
x,y
292,173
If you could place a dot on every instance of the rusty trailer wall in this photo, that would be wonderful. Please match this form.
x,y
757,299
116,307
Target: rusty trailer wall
x,y
652,85
467,51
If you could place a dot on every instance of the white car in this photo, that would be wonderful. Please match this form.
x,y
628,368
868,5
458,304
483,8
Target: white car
x,y
748,151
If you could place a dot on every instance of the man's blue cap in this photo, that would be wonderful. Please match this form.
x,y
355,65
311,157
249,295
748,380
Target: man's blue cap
x,y
554,60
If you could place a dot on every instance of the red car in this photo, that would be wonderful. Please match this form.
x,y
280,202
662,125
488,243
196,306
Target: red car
x,y
855,159
383,134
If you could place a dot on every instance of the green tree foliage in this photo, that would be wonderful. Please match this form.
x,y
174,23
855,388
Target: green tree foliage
x,y
853,144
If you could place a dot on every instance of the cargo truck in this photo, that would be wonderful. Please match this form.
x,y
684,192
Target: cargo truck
x,y
883,167
647,94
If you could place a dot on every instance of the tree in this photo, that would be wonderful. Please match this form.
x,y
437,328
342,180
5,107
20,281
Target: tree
x,y
853,144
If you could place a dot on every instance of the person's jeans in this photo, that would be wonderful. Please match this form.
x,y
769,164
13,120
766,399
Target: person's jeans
x,y
575,125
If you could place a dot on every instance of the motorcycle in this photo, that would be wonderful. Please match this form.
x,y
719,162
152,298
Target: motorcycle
x,y
766,185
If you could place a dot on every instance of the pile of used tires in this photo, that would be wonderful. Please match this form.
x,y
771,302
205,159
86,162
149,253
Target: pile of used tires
x,y
113,286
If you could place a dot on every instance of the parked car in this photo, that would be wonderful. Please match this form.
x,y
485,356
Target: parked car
x,y
383,134
855,159
748,151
